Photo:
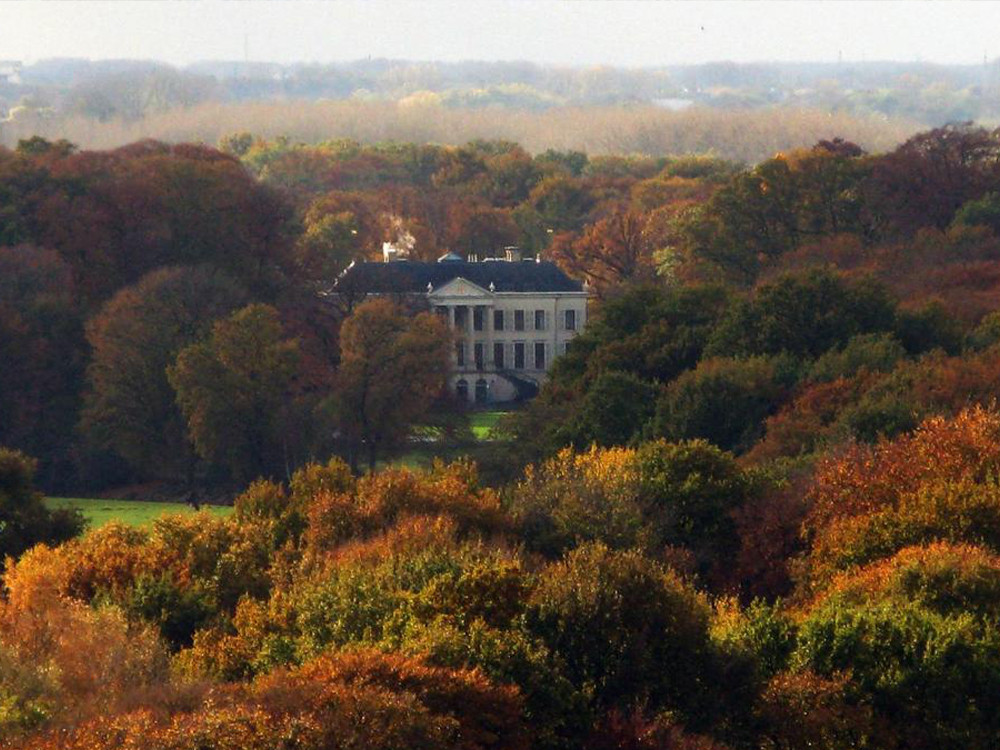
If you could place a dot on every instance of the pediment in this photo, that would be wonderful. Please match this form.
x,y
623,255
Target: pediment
x,y
459,287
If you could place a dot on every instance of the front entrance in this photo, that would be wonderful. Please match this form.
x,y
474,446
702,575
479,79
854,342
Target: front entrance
x,y
482,391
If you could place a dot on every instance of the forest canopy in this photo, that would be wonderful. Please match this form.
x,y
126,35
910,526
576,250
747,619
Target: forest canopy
x,y
754,505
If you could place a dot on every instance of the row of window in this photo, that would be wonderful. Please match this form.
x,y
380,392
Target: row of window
x,y
500,362
501,318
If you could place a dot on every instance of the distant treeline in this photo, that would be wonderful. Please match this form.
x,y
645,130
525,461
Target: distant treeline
x,y
131,88
742,135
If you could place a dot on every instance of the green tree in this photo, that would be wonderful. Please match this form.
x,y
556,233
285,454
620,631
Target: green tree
x,y
804,315
233,389
24,519
918,636
614,410
626,629
724,401
688,492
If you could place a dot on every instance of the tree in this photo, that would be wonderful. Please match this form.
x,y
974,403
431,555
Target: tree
x,y
479,229
24,519
628,630
929,178
42,350
233,390
689,491
917,634
615,409
392,369
724,401
610,252
129,406
803,314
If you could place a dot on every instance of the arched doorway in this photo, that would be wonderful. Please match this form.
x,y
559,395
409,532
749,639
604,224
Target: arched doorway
x,y
462,389
482,391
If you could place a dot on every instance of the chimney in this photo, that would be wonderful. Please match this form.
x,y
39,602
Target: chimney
x,y
513,254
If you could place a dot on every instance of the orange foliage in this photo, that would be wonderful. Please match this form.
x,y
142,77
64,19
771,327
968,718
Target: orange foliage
x,y
92,658
352,701
862,479
965,576
935,484
379,499
805,710
801,425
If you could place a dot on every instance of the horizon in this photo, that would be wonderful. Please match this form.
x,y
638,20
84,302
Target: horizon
x,y
557,33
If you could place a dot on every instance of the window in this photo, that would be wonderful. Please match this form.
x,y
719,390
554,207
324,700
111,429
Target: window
x,y
539,320
498,320
498,355
477,318
460,354
571,320
480,355
462,389
539,355
519,356
519,320
461,317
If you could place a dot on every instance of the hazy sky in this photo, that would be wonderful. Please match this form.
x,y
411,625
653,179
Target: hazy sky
x,y
550,31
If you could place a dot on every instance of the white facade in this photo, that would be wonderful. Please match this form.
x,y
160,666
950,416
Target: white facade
x,y
505,340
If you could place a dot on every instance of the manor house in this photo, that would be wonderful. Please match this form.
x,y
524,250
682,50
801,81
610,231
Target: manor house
x,y
511,316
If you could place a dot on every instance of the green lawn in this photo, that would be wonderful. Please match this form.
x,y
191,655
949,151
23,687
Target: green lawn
x,y
133,512
140,513
484,421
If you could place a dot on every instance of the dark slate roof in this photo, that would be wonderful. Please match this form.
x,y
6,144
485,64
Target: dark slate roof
x,y
414,276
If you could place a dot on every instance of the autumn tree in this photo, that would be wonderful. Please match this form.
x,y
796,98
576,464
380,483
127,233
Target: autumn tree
x,y
479,229
143,206
612,251
129,406
339,227
233,389
392,368
925,181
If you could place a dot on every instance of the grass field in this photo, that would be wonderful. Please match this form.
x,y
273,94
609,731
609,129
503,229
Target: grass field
x,y
484,421
139,513
133,512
